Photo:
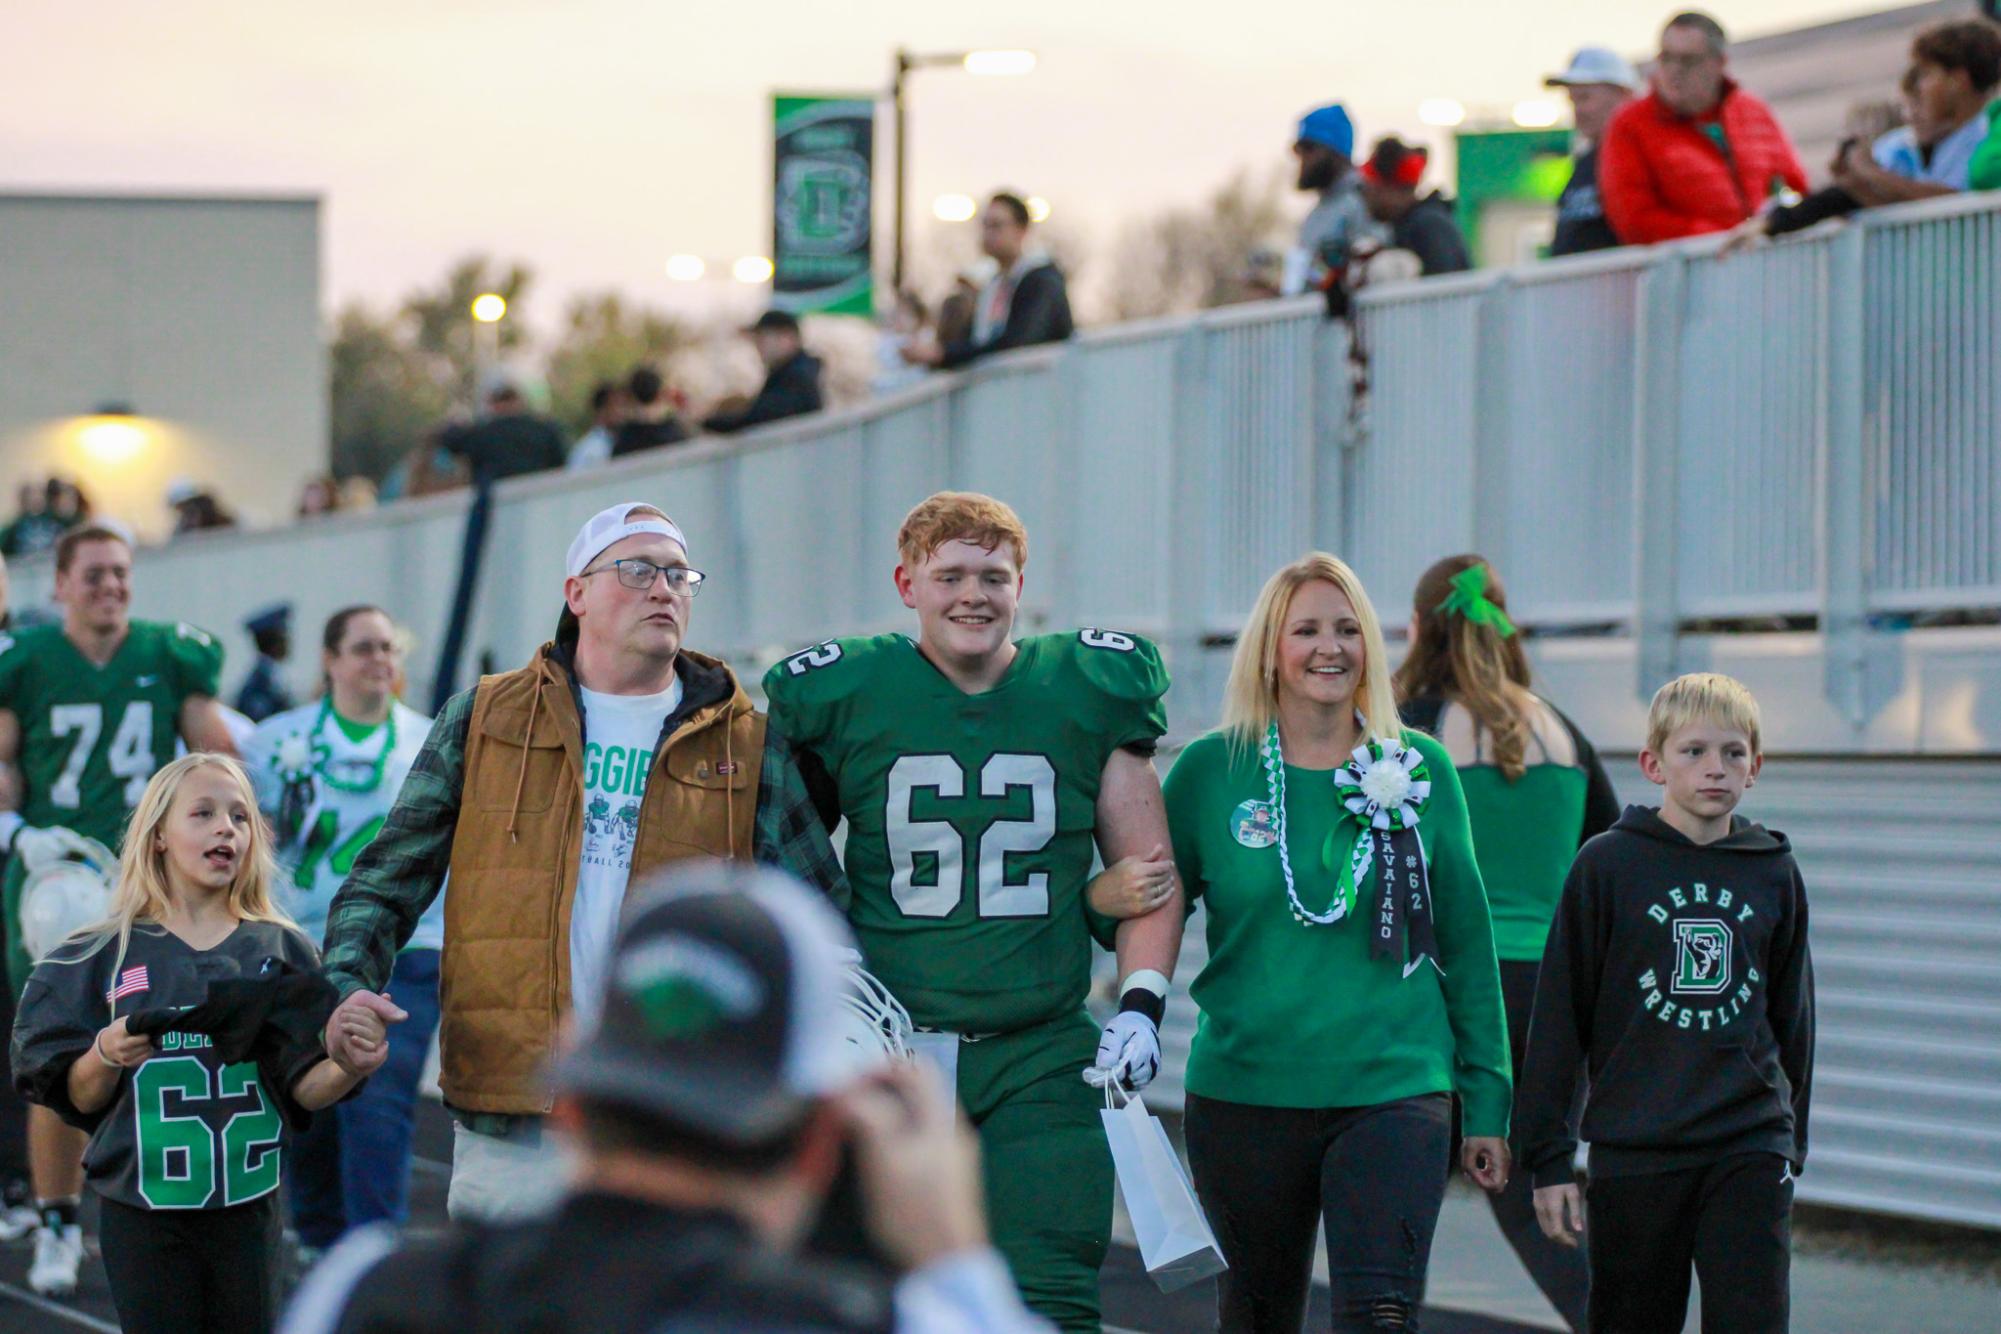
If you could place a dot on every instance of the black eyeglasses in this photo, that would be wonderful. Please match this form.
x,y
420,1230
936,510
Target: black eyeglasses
x,y
639,575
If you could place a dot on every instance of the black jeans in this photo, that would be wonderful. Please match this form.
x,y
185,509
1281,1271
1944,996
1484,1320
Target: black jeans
x,y
1559,1270
1732,1219
192,1271
1269,1176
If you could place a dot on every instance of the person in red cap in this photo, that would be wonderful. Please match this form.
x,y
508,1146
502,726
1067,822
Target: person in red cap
x,y
1422,225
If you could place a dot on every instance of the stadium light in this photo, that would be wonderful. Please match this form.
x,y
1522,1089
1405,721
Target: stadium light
x,y
1038,209
1443,112
1536,113
954,208
686,268
489,307
751,270
983,62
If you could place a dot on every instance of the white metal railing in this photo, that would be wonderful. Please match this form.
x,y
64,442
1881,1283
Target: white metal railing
x,y
1638,437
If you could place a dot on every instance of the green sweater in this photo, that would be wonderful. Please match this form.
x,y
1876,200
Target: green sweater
x,y
1300,1016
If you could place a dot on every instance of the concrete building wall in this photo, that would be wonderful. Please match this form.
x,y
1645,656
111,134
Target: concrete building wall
x,y
202,315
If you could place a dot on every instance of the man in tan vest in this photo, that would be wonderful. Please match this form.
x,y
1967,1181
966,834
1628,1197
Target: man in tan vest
x,y
542,792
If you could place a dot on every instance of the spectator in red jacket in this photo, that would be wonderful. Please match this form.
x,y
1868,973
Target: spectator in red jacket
x,y
1697,154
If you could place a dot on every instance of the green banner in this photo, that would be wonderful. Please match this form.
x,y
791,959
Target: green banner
x,y
822,205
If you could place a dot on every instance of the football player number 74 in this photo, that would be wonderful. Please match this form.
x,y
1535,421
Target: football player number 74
x,y
927,857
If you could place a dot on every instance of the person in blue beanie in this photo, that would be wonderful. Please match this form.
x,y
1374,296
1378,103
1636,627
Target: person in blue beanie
x,y
1325,147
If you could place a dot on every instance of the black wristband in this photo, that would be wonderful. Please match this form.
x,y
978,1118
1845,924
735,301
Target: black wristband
x,y
1141,1001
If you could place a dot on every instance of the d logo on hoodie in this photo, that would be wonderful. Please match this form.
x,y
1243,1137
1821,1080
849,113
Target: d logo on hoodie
x,y
1702,957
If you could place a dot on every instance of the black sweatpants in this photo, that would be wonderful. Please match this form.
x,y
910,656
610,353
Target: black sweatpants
x,y
1559,1270
192,1271
1731,1219
1268,1177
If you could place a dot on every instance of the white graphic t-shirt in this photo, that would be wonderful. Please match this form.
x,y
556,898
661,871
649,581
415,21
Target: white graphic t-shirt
x,y
620,732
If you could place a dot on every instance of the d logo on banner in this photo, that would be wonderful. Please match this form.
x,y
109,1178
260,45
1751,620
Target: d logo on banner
x,y
822,205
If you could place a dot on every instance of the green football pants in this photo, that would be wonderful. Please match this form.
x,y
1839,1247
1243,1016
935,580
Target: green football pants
x,y
1047,1166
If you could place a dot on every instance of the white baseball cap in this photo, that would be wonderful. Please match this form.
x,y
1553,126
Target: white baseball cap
x,y
1596,64
615,525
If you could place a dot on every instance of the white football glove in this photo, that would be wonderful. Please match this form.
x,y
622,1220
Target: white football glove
x,y
45,847
1128,1051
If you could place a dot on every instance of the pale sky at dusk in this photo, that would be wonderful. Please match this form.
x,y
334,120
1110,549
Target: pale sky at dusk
x,y
594,138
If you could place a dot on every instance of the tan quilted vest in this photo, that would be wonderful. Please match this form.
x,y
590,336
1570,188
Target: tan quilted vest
x,y
505,984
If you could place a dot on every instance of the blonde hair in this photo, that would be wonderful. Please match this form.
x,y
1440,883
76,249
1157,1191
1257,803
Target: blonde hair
x,y
143,891
1702,697
1470,663
960,516
1250,699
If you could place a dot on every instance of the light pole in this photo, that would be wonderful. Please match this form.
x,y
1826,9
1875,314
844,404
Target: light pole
x,y
973,62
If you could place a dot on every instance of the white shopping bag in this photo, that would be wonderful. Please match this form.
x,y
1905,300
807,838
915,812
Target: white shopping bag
x,y
1175,1241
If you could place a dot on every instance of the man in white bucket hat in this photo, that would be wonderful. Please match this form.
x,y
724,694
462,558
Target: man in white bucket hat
x,y
542,791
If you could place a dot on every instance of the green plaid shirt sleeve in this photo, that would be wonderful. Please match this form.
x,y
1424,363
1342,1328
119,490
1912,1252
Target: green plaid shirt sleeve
x,y
788,833
395,878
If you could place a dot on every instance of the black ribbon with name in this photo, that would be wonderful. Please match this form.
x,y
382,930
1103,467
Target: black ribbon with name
x,y
1403,928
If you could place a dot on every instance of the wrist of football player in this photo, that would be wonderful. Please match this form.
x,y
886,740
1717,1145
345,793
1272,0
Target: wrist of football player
x,y
11,825
1145,992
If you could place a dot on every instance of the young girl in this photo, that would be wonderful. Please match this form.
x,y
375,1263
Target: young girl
x,y
1535,793
184,1150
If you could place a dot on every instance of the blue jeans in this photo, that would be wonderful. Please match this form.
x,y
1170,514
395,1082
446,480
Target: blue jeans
x,y
353,1166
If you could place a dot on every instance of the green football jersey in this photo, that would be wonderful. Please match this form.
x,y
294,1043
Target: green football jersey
x,y
971,818
92,736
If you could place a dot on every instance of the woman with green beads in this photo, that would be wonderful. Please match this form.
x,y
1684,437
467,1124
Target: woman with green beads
x,y
1534,793
1351,987
326,775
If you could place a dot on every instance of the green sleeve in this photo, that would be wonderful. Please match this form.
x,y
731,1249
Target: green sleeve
x,y
1184,790
374,912
196,660
1472,981
1130,681
799,690
1984,172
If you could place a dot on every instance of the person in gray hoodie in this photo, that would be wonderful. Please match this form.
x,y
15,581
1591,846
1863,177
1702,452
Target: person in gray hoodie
x,y
1677,977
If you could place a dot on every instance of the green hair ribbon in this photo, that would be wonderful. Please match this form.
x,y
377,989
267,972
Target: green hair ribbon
x,y
1469,599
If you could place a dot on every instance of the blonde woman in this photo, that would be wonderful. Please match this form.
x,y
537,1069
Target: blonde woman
x,y
1535,793
184,1150
1351,988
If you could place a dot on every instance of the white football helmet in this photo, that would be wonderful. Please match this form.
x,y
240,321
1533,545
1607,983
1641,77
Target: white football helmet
x,y
871,1018
60,897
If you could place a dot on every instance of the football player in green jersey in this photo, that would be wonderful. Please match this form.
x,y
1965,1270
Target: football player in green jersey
x,y
89,711
977,773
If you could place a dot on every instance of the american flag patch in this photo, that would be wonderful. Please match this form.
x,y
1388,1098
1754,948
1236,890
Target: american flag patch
x,y
130,983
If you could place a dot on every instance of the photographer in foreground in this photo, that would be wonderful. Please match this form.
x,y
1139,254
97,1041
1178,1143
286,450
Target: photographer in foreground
x,y
712,1108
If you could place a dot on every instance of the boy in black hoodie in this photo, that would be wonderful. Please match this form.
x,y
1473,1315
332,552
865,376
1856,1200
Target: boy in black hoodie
x,y
1677,976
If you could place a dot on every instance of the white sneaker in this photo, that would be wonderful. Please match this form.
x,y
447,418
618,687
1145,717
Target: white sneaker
x,y
58,1255
17,1221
